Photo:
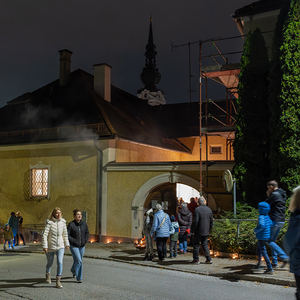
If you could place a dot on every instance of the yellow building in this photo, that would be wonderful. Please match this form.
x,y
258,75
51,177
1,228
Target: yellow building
x,y
80,142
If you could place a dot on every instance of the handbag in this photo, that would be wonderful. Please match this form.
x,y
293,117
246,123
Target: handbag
x,y
161,224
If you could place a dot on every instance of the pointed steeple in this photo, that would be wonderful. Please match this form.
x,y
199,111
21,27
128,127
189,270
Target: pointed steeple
x,y
150,76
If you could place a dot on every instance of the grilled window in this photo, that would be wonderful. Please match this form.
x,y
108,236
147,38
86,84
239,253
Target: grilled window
x,y
215,149
39,182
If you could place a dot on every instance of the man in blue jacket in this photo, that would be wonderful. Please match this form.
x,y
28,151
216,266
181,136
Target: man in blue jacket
x,y
276,199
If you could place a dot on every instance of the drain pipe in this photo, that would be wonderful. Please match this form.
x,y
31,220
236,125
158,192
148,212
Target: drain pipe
x,y
99,185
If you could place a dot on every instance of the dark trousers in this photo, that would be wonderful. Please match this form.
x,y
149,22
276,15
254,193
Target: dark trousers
x,y
262,251
198,239
173,248
22,237
161,243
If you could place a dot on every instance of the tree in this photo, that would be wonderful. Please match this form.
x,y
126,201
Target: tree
x,y
284,100
251,144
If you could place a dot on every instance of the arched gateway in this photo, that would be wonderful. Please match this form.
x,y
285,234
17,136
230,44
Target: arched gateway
x,y
140,197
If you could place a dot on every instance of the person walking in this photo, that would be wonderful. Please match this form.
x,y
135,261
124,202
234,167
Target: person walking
x,y
20,229
276,199
291,240
13,222
55,241
148,222
78,234
201,227
185,218
262,232
161,228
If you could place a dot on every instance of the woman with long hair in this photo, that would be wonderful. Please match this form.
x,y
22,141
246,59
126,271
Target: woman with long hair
x,y
55,241
78,234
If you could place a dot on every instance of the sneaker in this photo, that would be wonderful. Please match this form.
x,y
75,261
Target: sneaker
x,y
274,265
145,257
258,267
171,256
269,271
150,258
208,262
184,252
79,281
194,262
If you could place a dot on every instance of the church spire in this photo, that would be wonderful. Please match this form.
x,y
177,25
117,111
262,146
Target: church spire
x,y
150,76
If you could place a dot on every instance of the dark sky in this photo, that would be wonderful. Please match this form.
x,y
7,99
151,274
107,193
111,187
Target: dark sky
x,y
113,32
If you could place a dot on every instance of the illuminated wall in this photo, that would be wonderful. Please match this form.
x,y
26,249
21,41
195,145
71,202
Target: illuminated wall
x,y
72,181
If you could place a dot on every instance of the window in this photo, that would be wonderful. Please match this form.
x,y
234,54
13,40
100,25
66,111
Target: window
x,y
39,181
215,149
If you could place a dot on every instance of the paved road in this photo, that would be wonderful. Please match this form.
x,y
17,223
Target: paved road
x,y
22,277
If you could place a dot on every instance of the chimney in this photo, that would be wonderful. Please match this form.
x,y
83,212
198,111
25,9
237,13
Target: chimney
x,y
102,81
65,67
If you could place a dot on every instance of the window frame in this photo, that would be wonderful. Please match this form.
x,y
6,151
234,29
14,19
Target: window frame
x,y
215,146
40,166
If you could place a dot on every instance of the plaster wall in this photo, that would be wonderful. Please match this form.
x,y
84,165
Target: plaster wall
x,y
129,152
72,183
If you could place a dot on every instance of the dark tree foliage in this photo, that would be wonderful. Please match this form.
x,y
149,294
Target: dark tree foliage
x,y
284,100
252,140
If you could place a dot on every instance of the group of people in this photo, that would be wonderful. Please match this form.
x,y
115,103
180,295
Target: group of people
x,y
13,230
58,236
195,223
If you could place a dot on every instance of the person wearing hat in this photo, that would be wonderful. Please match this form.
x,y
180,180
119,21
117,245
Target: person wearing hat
x,y
161,227
173,237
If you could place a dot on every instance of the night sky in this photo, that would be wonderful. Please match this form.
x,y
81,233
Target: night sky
x,y
113,32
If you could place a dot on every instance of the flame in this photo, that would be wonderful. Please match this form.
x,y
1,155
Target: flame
x,y
107,241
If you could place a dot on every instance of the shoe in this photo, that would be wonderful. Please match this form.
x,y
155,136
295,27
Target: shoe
x,y
274,265
74,275
145,257
175,256
269,271
171,256
284,262
150,258
16,244
12,247
208,262
181,251
257,267
79,281
184,252
58,284
48,278
195,262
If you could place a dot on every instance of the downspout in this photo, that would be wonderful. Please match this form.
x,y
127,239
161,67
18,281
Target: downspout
x,y
99,186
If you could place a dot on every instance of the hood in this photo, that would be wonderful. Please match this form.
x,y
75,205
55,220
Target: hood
x,y
184,211
281,192
175,224
263,208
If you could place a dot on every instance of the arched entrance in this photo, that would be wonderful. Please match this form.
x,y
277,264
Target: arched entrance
x,y
160,184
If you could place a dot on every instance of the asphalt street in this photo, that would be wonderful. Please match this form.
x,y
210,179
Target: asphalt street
x,y
22,277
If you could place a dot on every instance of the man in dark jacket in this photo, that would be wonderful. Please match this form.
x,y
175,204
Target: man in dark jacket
x,y
201,226
276,199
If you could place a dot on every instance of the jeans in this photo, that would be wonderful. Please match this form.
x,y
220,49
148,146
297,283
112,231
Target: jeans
x,y
203,240
59,255
262,251
9,243
173,248
161,243
276,250
149,244
77,253
182,242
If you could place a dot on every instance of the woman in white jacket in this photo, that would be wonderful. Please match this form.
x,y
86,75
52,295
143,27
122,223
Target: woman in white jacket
x,y
55,240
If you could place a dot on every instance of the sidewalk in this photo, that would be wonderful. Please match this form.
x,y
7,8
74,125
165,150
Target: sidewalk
x,y
230,269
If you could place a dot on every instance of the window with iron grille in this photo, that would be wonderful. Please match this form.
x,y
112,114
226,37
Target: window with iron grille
x,y
215,149
39,181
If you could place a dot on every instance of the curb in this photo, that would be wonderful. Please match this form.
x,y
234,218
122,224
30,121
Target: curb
x,y
230,276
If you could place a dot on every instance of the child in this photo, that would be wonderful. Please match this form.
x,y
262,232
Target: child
x,y
263,232
173,237
146,232
8,236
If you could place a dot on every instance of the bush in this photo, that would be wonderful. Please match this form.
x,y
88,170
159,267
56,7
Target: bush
x,y
224,234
